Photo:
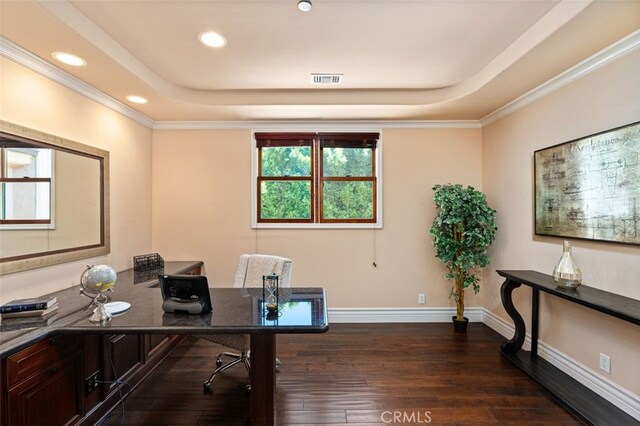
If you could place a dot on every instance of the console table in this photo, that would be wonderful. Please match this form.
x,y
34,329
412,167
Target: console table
x,y
585,403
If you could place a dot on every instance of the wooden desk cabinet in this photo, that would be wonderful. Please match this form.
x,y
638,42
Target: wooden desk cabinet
x,y
47,382
44,383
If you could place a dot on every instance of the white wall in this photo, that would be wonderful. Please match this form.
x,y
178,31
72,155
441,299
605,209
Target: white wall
x,y
34,101
202,210
608,98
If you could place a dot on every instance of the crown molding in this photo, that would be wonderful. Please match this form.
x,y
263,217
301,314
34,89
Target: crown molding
x,y
616,51
317,125
561,13
609,54
21,56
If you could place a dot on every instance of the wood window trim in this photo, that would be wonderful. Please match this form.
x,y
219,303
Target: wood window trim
x,y
276,140
25,180
357,141
7,143
317,141
26,221
285,179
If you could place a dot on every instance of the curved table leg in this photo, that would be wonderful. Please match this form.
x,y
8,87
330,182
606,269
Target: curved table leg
x,y
513,345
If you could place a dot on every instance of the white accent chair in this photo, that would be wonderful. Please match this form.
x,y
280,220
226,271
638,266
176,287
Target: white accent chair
x,y
251,268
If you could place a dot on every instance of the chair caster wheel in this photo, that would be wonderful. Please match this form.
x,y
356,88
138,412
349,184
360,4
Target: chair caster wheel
x,y
218,363
206,386
247,389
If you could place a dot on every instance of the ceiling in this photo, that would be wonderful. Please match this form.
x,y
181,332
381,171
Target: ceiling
x,y
400,60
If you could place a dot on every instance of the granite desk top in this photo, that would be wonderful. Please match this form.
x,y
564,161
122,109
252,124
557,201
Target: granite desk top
x,y
302,310
234,311
16,334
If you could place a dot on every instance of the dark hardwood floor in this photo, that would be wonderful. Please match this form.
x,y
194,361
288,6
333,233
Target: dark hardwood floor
x,y
355,374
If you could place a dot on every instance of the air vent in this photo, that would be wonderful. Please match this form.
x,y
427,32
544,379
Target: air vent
x,y
326,78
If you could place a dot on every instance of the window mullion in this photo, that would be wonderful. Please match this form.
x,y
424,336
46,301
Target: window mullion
x,y
285,178
317,191
373,162
348,178
279,176
26,180
317,178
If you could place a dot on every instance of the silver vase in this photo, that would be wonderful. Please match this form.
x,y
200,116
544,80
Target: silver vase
x,y
566,273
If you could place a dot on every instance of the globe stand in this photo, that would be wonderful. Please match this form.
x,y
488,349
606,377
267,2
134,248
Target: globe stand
x,y
100,313
95,281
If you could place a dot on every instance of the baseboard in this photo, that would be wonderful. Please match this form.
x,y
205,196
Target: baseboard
x,y
369,315
622,398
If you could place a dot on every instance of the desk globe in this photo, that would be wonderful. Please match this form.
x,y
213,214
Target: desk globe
x,y
94,282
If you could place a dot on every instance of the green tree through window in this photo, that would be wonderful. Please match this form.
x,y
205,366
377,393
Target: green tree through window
x,y
315,178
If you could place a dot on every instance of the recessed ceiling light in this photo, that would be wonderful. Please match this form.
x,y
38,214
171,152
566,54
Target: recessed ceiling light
x,y
137,99
304,5
69,59
212,39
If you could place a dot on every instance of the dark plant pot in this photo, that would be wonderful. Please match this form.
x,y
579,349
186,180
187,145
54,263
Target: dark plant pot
x,y
460,326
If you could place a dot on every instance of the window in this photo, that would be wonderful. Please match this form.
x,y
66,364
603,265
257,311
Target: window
x,y
317,178
25,184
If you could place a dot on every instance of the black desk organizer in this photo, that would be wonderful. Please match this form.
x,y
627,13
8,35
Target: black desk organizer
x,y
146,262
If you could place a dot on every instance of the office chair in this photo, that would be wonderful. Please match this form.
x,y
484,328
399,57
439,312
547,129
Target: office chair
x,y
251,268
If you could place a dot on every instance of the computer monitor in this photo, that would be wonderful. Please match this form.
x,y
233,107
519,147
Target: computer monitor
x,y
185,294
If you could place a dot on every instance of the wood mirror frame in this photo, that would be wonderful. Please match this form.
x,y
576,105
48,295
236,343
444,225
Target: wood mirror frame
x,y
38,259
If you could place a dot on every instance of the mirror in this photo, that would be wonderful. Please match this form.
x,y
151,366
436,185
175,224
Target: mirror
x,y
54,200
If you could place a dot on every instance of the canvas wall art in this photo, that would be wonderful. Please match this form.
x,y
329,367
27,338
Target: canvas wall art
x,y
589,188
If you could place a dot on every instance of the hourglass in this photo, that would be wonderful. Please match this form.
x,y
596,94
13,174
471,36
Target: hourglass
x,y
270,287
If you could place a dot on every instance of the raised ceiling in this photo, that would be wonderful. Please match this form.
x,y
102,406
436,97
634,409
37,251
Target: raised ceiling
x,y
400,60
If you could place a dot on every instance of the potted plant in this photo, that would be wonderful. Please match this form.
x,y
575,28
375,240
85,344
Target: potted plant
x,y
463,229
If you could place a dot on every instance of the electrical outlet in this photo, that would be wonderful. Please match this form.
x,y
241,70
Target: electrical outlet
x,y
422,298
91,382
605,363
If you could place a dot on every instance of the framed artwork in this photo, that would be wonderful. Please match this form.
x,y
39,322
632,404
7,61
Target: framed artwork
x,y
589,188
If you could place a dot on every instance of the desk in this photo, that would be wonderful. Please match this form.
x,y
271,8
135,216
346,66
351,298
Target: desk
x,y
235,311
589,406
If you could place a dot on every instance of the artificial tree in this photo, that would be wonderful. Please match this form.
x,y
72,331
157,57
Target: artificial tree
x,y
463,229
